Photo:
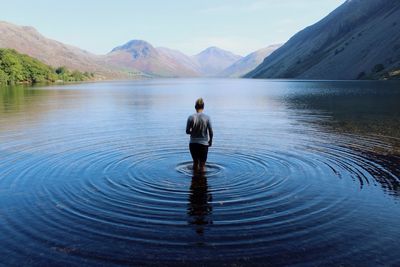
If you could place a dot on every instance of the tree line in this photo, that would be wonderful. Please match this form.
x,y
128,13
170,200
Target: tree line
x,y
20,68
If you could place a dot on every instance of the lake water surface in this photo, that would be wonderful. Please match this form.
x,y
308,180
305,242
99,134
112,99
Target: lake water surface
x,y
300,173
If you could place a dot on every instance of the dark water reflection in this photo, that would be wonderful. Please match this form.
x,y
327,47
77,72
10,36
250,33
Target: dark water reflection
x,y
368,108
367,116
300,174
200,198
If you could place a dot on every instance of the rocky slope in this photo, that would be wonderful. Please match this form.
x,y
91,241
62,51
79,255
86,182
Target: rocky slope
x,y
358,40
141,56
248,63
213,60
28,40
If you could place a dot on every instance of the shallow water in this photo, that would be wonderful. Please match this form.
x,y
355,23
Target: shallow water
x,y
300,173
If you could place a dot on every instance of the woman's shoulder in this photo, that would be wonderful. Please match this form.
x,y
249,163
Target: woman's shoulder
x,y
205,116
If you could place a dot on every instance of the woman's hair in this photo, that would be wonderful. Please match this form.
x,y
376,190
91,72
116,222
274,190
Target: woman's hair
x,y
199,104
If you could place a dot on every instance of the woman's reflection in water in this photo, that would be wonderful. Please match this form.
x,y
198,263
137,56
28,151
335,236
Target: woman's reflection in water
x,y
199,207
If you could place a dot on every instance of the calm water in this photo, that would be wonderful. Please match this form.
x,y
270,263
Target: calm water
x,y
301,174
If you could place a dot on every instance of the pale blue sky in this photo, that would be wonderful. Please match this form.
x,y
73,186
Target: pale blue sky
x,y
240,26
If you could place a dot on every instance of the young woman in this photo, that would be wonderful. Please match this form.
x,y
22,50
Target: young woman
x,y
201,134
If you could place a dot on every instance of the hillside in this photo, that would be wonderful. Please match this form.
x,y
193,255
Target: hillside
x,y
248,63
213,60
358,40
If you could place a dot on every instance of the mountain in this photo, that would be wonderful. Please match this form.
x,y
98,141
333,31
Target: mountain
x,y
360,39
28,40
213,60
249,62
141,56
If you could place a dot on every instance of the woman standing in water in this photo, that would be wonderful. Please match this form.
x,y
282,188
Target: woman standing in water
x,y
201,134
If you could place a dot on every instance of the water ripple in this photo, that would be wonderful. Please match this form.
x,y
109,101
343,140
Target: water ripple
x,y
257,200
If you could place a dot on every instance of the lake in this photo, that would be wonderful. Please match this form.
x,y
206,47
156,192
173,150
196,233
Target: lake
x,y
301,173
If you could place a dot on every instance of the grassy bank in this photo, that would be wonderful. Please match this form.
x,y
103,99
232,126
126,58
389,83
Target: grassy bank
x,y
19,68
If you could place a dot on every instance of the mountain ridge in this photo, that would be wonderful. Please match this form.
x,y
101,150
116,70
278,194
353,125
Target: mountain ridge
x,y
134,59
181,57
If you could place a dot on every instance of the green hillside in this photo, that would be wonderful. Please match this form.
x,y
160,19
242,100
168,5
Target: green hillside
x,y
19,68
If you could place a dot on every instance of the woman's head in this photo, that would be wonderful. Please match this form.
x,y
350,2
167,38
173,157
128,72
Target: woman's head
x,y
199,104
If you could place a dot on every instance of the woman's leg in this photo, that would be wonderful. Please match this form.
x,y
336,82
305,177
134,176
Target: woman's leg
x,y
194,152
203,157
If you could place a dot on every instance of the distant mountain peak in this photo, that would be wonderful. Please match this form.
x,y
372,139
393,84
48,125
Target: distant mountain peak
x,y
213,50
133,45
137,48
214,59
137,42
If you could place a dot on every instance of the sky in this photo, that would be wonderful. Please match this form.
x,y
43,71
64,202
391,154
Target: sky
x,y
240,26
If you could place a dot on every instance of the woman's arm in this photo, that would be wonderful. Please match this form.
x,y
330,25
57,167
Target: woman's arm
x,y
189,125
210,133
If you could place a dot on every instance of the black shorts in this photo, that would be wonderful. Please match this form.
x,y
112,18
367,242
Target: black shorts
x,y
199,152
